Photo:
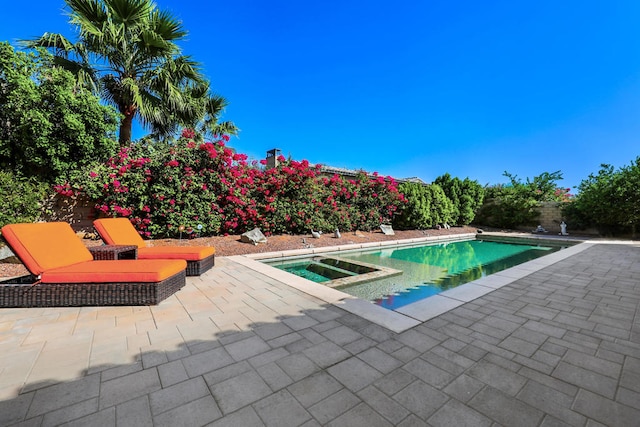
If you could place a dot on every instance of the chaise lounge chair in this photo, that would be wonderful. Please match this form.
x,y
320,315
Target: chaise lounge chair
x,y
64,273
120,231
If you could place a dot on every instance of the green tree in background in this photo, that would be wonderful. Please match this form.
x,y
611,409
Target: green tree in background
x,y
426,206
48,126
127,51
466,195
609,200
20,198
516,204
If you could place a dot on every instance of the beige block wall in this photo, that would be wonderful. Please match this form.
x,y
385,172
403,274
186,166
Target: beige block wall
x,y
79,212
550,216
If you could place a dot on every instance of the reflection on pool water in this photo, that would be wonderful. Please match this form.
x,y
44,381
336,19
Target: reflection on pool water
x,y
426,270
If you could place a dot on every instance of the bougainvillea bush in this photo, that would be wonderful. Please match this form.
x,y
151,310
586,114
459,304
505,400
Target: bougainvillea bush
x,y
206,188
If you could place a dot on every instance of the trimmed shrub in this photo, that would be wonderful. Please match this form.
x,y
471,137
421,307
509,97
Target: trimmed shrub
x,y
466,196
21,198
426,206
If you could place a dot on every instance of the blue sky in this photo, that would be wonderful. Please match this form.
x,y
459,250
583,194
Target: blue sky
x,y
415,87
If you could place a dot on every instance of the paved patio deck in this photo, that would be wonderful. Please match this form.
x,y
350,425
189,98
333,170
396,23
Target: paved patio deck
x,y
557,344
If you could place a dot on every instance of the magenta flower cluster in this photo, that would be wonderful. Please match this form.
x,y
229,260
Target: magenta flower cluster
x,y
165,188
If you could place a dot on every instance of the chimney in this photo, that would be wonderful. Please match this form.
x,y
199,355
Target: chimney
x,y
272,158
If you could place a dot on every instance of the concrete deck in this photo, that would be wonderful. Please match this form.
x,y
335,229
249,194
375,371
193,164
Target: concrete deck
x,y
557,343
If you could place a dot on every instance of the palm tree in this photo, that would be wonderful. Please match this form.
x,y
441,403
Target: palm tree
x,y
127,52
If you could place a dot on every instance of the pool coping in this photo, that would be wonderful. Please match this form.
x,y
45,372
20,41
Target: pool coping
x,y
408,316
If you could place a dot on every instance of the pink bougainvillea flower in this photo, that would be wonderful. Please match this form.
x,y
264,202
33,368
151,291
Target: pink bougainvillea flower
x,y
188,133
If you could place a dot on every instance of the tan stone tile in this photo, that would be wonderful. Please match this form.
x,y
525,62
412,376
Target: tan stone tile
x,y
169,319
231,319
37,320
87,313
138,341
49,331
203,328
18,364
80,339
6,326
54,373
108,333
165,338
114,311
95,324
102,361
68,314
106,340
9,391
201,306
145,325
12,338
137,314
264,315
114,353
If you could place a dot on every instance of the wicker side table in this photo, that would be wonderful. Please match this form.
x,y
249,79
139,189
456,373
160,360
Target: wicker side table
x,y
112,252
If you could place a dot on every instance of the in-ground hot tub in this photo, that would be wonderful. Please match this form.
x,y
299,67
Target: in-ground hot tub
x,y
335,271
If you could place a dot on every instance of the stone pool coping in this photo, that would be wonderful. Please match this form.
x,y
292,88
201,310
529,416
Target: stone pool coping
x,y
413,314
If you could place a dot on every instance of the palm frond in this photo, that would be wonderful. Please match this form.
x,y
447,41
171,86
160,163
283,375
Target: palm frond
x,y
130,13
88,15
215,105
167,26
59,43
85,75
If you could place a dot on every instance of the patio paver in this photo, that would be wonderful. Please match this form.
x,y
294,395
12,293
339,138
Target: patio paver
x,y
556,345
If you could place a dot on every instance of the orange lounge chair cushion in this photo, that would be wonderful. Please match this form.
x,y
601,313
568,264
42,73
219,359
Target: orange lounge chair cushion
x,y
118,231
121,271
44,246
189,253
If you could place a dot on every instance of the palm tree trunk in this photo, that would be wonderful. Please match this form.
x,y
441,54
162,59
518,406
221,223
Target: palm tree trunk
x,y
125,125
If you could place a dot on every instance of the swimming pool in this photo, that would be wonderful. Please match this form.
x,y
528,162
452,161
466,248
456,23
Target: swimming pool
x,y
398,276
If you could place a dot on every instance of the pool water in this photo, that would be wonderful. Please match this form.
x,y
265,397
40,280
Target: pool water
x,y
426,270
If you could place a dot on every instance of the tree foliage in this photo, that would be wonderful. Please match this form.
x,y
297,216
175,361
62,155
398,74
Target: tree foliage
x,y
608,200
20,198
466,195
48,126
516,204
426,206
127,50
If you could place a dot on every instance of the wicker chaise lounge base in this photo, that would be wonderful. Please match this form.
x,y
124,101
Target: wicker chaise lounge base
x,y
120,231
196,268
64,273
21,292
